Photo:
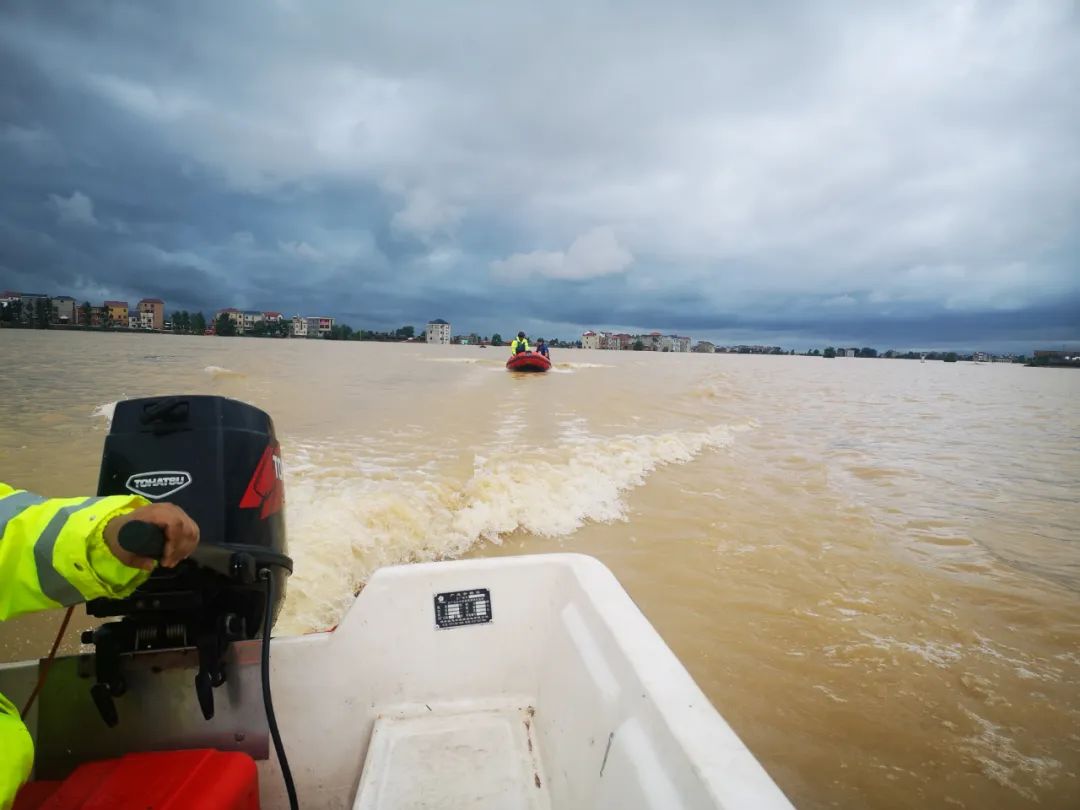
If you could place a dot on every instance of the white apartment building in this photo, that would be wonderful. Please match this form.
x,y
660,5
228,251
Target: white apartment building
x,y
438,331
299,326
250,318
590,340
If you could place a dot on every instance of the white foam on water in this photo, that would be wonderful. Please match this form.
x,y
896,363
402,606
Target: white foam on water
x,y
584,365
1026,666
937,653
511,425
1001,761
831,695
105,411
573,429
347,518
218,372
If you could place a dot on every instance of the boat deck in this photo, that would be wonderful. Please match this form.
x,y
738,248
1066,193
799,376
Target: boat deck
x,y
559,693
481,760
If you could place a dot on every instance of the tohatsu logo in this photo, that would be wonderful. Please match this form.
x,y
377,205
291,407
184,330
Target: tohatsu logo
x,y
158,484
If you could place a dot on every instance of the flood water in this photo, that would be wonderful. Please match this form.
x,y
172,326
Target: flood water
x,y
871,567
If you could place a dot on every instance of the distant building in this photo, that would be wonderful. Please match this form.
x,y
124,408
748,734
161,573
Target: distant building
x,y
272,317
299,326
133,320
8,299
116,313
613,341
681,344
30,306
319,326
97,316
9,303
1053,357
250,318
235,316
847,352
705,347
63,309
438,331
156,309
146,320
590,340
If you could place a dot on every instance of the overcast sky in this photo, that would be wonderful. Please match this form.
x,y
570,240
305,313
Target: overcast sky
x,y
890,174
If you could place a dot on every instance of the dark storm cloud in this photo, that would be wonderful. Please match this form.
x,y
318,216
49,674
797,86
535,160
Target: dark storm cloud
x,y
904,173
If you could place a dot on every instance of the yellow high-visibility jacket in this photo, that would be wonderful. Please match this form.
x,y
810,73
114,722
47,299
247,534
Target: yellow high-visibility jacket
x,y
52,553
523,342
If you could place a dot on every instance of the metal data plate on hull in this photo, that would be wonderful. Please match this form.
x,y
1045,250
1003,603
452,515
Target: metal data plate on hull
x,y
158,712
461,608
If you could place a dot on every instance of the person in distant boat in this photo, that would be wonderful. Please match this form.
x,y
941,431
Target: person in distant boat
x,y
542,348
519,344
60,551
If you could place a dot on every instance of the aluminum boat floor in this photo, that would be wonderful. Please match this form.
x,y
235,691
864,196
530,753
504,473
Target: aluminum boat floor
x,y
480,760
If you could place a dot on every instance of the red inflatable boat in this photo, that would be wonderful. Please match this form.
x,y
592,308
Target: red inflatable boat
x,y
528,361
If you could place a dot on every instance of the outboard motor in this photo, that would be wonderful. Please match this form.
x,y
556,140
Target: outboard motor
x,y
218,459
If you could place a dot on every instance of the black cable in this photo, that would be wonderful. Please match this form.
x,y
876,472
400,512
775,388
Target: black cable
x,y
268,702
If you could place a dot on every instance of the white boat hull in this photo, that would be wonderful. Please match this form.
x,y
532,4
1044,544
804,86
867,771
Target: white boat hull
x,y
563,696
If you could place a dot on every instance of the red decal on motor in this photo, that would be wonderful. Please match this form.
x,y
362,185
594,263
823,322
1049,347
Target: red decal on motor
x,y
265,489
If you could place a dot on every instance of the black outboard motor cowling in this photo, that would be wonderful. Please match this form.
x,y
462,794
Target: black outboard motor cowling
x,y
219,460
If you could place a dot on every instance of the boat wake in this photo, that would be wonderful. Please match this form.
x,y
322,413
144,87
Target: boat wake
x,y
218,372
105,411
347,516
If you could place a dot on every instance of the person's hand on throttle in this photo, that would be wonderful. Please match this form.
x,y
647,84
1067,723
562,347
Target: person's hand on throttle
x,y
181,535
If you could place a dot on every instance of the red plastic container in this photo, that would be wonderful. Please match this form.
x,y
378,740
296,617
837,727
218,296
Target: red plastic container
x,y
201,779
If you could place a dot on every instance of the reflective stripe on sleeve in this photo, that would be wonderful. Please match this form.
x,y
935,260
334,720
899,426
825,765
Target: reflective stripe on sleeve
x,y
14,505
52,583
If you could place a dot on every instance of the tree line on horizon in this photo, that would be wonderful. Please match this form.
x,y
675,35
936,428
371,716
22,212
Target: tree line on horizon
x,y
830,352
41,316
37,317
